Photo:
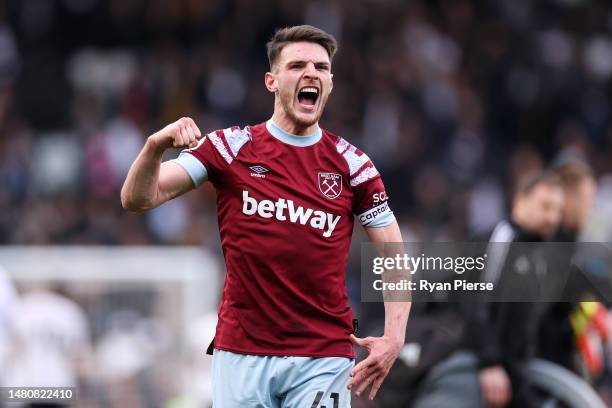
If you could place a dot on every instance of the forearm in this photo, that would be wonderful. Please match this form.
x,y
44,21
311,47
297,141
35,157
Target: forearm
x,y
140,189
388,240
396,318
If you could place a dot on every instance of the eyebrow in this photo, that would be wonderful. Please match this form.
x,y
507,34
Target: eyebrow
x,y
302,62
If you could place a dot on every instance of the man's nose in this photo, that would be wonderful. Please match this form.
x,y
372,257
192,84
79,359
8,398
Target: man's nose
x,y
310,70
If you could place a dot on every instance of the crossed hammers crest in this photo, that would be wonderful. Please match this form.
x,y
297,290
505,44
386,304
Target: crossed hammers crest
x,y
330,187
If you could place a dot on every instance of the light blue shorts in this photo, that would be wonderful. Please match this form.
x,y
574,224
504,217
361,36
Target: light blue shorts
x,y
248,381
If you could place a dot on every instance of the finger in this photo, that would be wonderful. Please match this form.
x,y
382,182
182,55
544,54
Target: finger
x,y
194,127
362,365
190,135
365,384
185,135
376,386
177,139
356,340
361,376
363,342
183,124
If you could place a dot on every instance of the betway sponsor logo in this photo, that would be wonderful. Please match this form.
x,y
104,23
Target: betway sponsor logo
x,y
285,210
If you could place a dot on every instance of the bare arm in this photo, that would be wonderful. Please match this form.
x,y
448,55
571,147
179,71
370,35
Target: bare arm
x,y
396,313
383,351
150,182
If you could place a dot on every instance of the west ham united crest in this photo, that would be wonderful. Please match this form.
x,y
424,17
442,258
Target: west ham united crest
x,y
330,184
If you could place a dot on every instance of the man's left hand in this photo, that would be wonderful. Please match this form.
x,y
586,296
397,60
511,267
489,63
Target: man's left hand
x,y
382,354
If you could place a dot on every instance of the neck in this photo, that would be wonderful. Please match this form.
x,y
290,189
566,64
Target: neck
x,y
281,120
571,225
571,220
522,223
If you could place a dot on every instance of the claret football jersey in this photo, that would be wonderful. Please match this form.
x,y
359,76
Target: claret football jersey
x,y
286,206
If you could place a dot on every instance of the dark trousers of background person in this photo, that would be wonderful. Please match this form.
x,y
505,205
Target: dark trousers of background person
x,y
523,395
455,383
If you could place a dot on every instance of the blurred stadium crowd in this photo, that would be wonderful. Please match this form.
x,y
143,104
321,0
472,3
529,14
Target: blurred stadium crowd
x,y
454,101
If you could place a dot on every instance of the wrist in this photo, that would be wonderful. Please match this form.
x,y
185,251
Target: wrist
x,y
396,339
153,146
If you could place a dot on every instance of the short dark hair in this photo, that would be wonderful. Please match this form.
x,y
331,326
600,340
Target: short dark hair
x,y
300,33
526,184
573,172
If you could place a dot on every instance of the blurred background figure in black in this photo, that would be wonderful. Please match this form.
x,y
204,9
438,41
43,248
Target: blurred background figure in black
x,y
557,336
575,334
504,334
477,358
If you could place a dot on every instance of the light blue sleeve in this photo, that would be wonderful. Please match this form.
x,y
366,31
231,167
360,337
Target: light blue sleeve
x,y
193,167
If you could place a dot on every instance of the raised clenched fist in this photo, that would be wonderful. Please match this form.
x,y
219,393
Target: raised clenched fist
x,y
182,133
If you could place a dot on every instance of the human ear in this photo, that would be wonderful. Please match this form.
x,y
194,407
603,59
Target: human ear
x,y
271,82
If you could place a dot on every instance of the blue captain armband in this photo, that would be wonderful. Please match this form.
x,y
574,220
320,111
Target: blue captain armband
x,y
377,217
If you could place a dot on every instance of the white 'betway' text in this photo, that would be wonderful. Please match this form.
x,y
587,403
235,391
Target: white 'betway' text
x,y
269,209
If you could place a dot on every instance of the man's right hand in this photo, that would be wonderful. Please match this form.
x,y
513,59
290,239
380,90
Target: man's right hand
x,y
495,386
182,133
149,182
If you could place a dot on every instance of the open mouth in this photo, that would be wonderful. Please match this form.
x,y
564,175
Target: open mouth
x,y
308,96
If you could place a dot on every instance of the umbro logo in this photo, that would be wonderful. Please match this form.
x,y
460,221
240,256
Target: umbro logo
x,y
258,171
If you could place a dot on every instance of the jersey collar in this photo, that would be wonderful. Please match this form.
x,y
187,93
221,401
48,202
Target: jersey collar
x,y
290,139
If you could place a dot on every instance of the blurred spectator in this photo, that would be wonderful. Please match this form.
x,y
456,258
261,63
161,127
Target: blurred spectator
x,y
124,353
481,93
8,300
503,335
474,355
560,341
199,335
51,340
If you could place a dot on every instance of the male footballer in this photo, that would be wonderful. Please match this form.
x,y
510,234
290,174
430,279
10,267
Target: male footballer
x,y
287,195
